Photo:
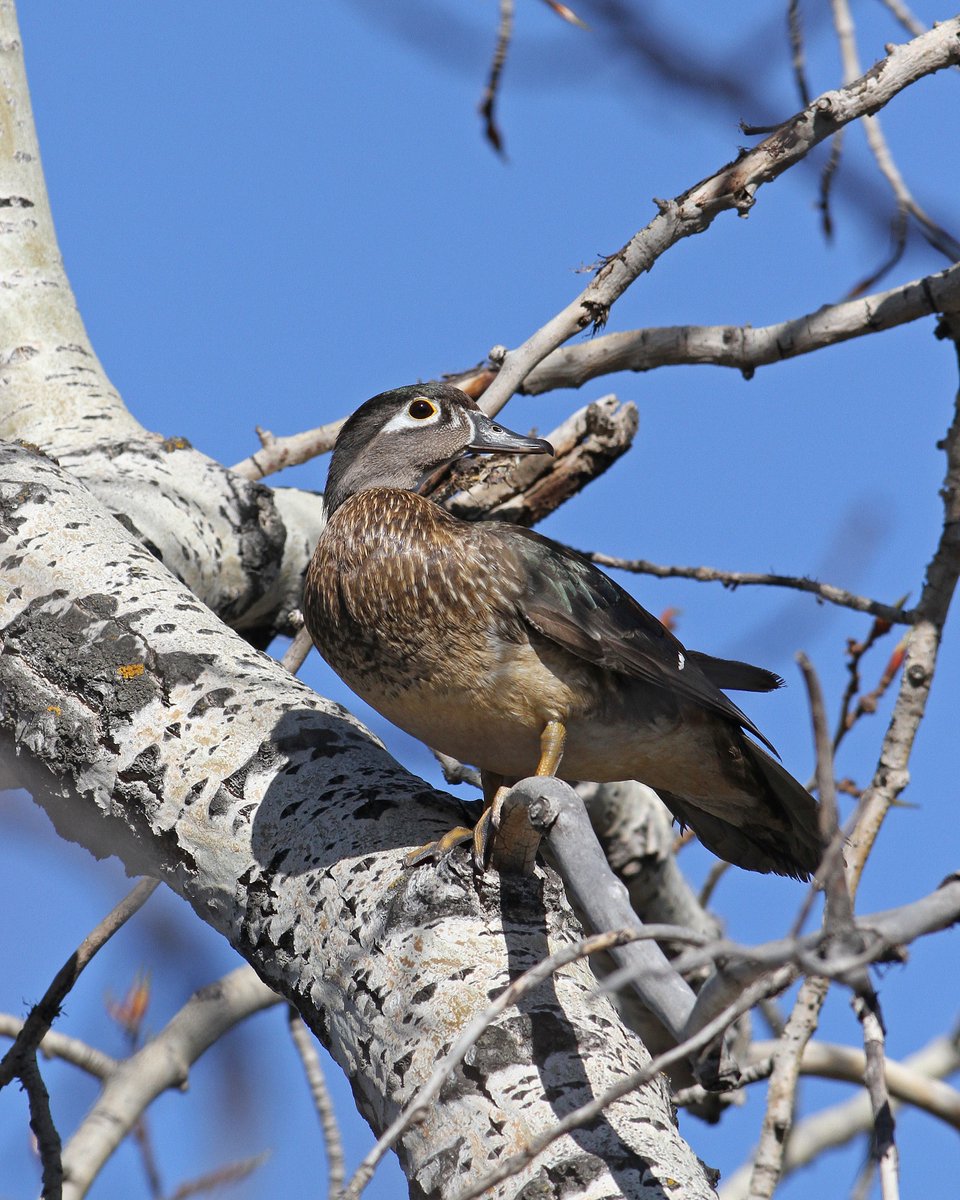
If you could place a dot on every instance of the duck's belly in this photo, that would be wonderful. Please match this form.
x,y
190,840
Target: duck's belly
x,y
496,726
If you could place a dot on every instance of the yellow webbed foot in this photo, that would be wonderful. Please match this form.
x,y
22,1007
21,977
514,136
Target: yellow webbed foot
x,y
437,850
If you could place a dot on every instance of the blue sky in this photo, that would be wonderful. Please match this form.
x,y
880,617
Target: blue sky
x,y
268,218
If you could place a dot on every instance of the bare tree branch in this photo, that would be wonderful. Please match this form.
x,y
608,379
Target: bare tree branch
x,y
920,662
70,1049
585,444
164,1062
299,648
906,204
589,1111
554,811
734,186
884,934
41,1122
302,1039
884,1148
781,1093
890,779
636,833
878,937
907,1080
906,18
840,1123
276,453
43,1014
746,347
838,912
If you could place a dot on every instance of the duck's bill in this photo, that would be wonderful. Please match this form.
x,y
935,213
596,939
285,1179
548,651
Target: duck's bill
x,y
491,438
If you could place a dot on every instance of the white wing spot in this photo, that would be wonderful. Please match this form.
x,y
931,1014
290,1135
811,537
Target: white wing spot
x,y
681,661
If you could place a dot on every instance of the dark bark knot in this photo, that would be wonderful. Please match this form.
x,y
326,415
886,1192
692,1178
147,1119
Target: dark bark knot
x,y
84,654
916,675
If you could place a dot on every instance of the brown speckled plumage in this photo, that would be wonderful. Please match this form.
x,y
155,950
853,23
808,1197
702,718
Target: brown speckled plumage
x,y
472,636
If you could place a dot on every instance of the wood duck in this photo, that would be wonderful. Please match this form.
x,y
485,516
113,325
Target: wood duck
x,y
501,648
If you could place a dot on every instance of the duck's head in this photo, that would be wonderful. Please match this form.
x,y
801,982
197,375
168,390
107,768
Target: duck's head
x,y
400,438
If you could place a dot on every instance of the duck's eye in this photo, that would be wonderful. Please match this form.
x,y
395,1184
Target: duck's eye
x,y
421,409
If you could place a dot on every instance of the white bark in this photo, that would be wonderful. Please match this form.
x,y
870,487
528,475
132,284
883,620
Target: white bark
x,y
240,547
149,730
746,347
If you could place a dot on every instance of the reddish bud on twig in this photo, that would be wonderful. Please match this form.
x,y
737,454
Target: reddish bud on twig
x,y
131,1010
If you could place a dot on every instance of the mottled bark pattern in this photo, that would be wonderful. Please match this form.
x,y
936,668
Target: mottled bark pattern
x,y
148,729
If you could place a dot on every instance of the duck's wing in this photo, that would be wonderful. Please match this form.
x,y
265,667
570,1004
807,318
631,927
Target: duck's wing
x,y
573,603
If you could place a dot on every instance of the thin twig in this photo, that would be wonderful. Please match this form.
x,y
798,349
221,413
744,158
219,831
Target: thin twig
x,y
907,206
297,651
276,453
899,227
838,916
313,1069
797,53
855,653
781,1094
697,1094
884,1149
565,13
714,875
148,1156
770,1011
230,1173
902,13
41,1122
827,178
69,1049
868,702
735,579
42,1015
488,101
